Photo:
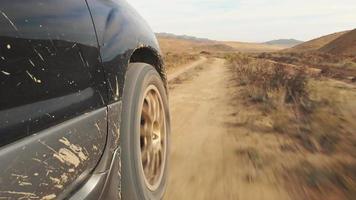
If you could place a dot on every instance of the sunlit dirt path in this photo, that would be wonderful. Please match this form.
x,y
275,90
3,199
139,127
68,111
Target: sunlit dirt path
x,y
210,156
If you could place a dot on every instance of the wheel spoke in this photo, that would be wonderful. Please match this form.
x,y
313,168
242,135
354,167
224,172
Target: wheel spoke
x,y
152,167
157,162
146,113
145,156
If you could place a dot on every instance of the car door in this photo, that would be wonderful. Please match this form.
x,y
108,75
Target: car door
x,y
52,98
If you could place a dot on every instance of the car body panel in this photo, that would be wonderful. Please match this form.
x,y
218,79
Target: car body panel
x,y
53,114
53,162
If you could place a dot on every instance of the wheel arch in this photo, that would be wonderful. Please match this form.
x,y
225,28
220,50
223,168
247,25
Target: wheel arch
x,y
149,55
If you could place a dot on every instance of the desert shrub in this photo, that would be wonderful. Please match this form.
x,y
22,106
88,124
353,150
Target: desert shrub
x,y
295,107
334,66
206,53
328,142
255,77
265,79
230,57
296,86
278,77
264,55
238,58
297,92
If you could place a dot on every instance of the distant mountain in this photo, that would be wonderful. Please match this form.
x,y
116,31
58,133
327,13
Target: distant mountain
x,y
171,43
345,44
316,44
284,42
182,37
183,43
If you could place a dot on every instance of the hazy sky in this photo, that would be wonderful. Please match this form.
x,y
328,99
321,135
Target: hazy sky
x,y
249,20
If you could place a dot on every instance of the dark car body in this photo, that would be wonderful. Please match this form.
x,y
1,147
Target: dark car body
x,y
62,73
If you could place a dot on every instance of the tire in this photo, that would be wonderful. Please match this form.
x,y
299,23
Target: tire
x,y
138,184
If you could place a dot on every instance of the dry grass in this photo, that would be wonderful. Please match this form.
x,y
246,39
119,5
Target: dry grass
x,y
305,108
336,181
252,155
271,83
174,60
318,114
334,66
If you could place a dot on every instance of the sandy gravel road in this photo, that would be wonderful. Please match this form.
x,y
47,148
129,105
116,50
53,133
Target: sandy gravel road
x,y
210,157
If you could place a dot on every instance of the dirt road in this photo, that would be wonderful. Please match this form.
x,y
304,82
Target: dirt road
x,y
211,156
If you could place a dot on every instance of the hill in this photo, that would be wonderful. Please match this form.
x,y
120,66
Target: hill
x,y
345,44
284,42
171,43
191,46
317,43
248,47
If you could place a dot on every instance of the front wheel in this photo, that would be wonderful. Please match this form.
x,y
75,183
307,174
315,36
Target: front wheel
x,y
145,130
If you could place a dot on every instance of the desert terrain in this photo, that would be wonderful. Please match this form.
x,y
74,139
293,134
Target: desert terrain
x,y
271,123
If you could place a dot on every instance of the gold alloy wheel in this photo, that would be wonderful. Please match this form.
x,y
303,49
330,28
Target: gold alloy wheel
x,y
153,138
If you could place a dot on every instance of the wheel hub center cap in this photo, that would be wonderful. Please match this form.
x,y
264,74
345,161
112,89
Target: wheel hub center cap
x,y
155,137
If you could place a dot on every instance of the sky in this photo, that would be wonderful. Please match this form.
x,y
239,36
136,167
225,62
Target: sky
x,y
249,20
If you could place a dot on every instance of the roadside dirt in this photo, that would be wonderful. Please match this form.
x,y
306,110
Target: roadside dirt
x,y
213,155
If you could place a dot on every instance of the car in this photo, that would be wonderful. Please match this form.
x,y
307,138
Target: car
x,y
83,102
